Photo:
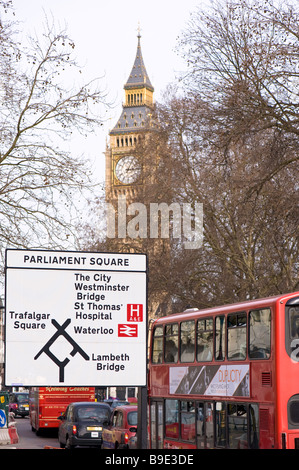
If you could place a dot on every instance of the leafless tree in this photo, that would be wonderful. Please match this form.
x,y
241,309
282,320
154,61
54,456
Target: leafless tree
x,y
233,144
235,136
250,244
39,177
228,138
243,58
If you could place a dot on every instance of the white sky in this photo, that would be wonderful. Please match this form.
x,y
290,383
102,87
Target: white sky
x,y
105,34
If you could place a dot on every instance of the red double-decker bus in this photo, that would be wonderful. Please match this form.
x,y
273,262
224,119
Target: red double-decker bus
x,y
47,403
226,377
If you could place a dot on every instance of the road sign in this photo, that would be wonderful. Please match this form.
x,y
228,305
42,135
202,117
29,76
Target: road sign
x,y
75,318
2,419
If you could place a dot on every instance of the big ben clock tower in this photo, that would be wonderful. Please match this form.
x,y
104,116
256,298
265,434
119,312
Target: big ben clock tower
x,y
129,173
123,165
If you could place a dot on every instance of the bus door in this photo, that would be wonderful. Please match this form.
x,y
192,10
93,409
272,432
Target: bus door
x,y
205,425
156,424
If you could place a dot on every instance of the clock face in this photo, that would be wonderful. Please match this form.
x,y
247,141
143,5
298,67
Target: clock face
x,y
127,170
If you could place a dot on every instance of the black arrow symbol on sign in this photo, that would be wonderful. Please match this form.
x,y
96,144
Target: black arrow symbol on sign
x,y
76,348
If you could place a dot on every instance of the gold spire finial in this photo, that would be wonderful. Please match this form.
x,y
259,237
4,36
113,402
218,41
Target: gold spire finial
x,y
139,30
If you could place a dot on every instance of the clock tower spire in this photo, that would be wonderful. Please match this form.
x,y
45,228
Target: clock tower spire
x,y
129,173
123,168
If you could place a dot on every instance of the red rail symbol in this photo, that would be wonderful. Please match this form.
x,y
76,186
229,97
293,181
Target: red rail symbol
x,y
127,330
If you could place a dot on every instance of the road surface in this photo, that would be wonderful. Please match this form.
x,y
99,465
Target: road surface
x,y
29,440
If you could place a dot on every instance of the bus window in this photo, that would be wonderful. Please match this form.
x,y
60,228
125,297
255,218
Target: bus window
x,y
220,418
293,412
294,322
187,421
254,426
259,333
187,341
204,340
292,328
236,336
237,426
172,419
220,339
157,353
171,342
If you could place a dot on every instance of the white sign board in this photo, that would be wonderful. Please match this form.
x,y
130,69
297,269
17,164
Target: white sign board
x,y
75,318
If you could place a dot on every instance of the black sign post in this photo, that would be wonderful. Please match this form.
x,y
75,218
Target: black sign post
x,y
142,418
